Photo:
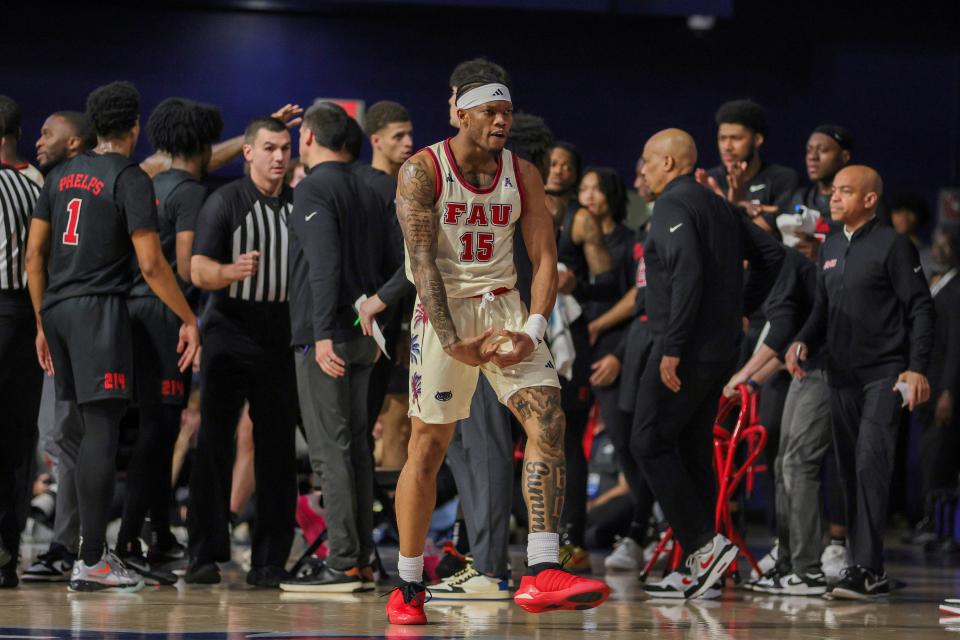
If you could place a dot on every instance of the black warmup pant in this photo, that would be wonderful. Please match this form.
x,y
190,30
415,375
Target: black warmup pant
x,y
96,473
639,343
149,486
673,442
640,495
21,382
865,423
939,454
235,368
575,400
161,392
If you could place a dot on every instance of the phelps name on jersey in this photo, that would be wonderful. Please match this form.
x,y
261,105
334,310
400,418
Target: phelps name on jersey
x,y
477,225
93,204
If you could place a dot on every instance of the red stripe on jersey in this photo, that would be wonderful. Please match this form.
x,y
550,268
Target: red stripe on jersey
x,y
466,185
436,173
516,174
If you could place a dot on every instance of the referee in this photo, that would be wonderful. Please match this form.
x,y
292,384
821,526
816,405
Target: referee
x,y
21,379
874,312
695,297
240,254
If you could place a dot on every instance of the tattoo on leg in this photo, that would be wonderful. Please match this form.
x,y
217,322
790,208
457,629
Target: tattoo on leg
x,y
537,474
545,472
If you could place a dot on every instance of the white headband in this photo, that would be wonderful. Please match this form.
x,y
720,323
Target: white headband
x,y
482,95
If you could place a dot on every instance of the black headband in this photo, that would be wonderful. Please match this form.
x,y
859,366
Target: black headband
x,y
838,133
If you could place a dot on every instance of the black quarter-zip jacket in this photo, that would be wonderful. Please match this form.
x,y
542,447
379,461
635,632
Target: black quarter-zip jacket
x,y
340,247
873,308
695,294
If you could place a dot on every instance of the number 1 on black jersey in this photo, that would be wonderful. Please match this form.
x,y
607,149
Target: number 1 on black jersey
x,y
73,218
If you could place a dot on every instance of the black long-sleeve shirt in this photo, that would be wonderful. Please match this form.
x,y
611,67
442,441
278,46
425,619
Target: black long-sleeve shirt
x,y
335,252
396,287
873,308
789,305
694,255
945,364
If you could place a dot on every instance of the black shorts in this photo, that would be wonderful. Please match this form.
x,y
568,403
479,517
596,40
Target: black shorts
x,y
89,338
156,331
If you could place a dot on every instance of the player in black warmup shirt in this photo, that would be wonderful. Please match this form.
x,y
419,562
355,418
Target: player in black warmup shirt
x,y
241,255
186,131
78,259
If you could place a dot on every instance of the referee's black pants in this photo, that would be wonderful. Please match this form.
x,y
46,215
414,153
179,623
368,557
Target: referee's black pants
x,y
234,369
672,441
866,419
21,383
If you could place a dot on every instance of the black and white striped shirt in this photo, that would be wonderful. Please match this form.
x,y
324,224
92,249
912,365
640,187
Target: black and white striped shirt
x,y
238,219
18,199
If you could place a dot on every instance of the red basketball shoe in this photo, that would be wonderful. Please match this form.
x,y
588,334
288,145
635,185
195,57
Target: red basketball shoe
x,y
405,605
555,589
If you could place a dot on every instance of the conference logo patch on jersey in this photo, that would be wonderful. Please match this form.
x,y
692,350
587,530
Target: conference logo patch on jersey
x,y
830,264
443,396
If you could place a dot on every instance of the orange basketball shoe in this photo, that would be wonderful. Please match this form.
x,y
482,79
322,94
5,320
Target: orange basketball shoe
x,y
552,589
405,605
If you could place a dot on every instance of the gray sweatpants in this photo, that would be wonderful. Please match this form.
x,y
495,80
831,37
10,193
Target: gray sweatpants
x,y
334,414
481,459
805,438
68,433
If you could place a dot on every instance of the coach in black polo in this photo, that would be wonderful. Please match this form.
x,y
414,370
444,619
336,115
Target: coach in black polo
x,y
337,254
874,313
240,254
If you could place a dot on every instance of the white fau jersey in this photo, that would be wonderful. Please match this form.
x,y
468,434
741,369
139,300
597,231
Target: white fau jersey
x,y
475,248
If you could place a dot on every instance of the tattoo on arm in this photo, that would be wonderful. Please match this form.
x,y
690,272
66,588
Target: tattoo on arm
x,y
544,469
420,226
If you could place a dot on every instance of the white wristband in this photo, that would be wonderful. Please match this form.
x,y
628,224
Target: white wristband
x,y
535,327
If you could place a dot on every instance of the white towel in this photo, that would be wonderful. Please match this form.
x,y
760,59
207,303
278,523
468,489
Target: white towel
x,y
564,313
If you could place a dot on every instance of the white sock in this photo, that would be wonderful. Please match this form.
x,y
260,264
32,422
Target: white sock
x,y
543,547
410,569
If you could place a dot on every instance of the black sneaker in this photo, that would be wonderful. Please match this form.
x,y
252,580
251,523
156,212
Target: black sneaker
x,y
860,583
171,556
267,577
207,573
452,562
151,575
8,574
53,566
770,582
803,584
321,578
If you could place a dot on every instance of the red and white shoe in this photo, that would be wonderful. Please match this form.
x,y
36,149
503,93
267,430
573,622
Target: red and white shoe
x,y
556,589
405,605
708,563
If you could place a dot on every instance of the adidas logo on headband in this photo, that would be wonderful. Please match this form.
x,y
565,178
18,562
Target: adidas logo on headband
x,y
483,94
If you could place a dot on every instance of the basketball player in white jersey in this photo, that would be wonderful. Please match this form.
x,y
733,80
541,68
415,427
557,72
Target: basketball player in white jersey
x,y
459,203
